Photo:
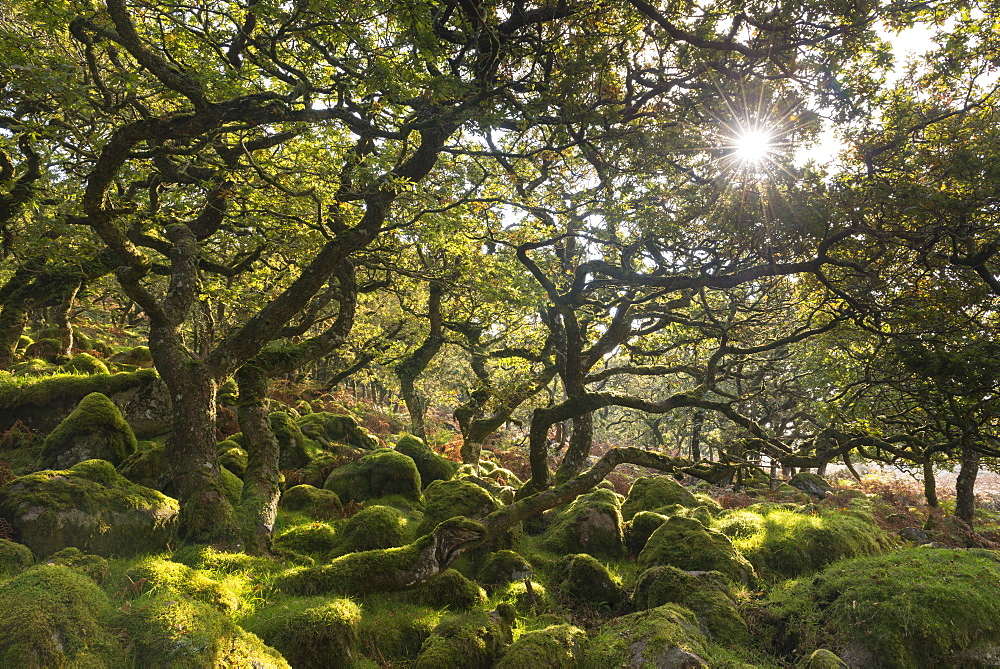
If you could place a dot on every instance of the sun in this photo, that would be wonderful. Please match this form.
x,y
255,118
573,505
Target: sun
x,y
753,146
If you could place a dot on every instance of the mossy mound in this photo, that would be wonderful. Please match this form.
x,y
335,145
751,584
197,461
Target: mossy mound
x,y
432,467
470,640
232,486
316,632
295,449
373,527
235,460
447,499
47,349
159,575
687,544
667,636
708,594
312,501
53,616
527,598
84,363
591,524
14,558
382,472
821,659
138,356
329,428
583,578
651,493
740,524
34,367
811,484
148,467
555,647
503,567
452,590
93,567
91,507
640,528
95,429
228,393
789,543
913,608
316,472
172,632
315,539
393,630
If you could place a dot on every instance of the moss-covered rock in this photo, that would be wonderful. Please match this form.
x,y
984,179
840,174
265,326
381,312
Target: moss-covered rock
x,y
315,539
93,567
232,486
159,575
312,501
740,524
527,598
382,472
585,579
91,507
14,558
591,524
687,544
34,367
451,590
84,363
53,616
394,630
149,467
555,647
640,528
708,594
47,349
329,428
171,632
432,467
465,641
373,527
649,494
811,484
503,567
235,460
295,449
138,356
95,429
666,636
821,659
788,543
315,632
447,499
228,393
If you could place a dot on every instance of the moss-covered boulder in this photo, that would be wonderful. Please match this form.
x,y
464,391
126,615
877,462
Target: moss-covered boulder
x,y
315,632
470,640
687,544
553,647
651,493
235,460
527,598
394,630
14,558
913,608
373,527
149,467
640,528
138,356
312,501
295,449
84,363
740,524
329,428
34,367
382,472
503,567
160,575
666,636
315,539
583,578
813,485
450,589
708,594
91,507
432,467
44,349
447,499
93,567
171,632
821,659
592,524
95,429
53,616
788,543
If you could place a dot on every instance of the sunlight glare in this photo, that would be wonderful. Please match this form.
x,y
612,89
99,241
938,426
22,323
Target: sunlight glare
x,y
753,146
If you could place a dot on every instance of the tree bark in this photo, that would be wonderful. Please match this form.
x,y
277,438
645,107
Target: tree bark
x,y
413,365
261,486
930,485
965,485
13,319
64,320
580,443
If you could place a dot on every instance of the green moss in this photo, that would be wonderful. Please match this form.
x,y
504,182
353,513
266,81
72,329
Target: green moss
x,y
503,567
159,575
649,494
148,467
35,367
640,528
89,506
527,601
235,460
591,524
313,501
583,578
394,631
447,499
667,635
85,363
138,356
328,428
373,527
296,450
173,632
48,349
821,659
555,647
708,502
687,544
432,467
451,590
93,567
708,594
232,486
789,544
315,539
740,524
95,429
23,342
228,393
811,484
465,641
380,473
48,391
315,632
53,616
14,558
913,608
